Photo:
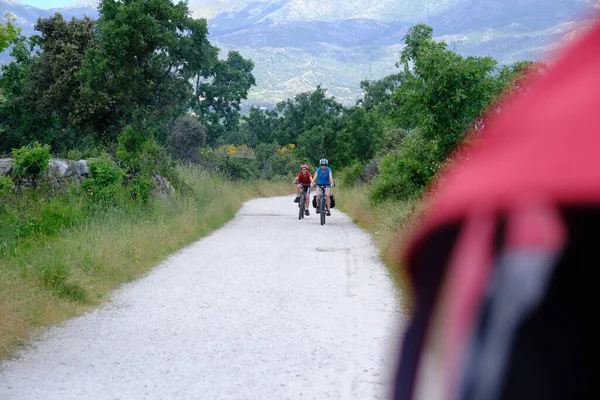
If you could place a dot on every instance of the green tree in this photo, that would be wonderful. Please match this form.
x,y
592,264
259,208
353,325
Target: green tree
x,y
362,134
14,123
51,91
443,93
8,33
187,136
259,126
377,95
306,111
265,154
437,98
312,145
217,98
147,52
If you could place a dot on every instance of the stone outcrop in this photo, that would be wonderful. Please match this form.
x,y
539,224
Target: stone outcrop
x,y
5,166
57,168
162,187
60,172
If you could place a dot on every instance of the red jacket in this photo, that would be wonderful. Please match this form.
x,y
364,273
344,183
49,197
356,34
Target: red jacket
x,y
304,178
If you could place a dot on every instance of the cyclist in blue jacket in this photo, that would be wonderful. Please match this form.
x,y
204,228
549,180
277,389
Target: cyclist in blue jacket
x,y
324,178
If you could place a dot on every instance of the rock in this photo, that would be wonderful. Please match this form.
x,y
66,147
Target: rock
x,y
57,168
60,172
5,166
162,187
78,168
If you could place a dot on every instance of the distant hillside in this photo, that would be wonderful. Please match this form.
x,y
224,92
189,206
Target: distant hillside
x,y
298,44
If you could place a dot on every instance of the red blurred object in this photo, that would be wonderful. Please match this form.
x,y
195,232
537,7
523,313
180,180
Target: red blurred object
x,y
502,265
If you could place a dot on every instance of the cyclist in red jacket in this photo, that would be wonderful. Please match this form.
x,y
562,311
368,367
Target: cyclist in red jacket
x,y
303,179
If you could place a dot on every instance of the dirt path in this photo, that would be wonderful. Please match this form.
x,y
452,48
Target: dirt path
x,y
268,307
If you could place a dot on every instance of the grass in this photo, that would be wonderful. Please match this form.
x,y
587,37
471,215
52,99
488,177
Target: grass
x,y
389,223
49,274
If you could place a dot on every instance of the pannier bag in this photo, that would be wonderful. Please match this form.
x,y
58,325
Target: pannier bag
x,y
332,199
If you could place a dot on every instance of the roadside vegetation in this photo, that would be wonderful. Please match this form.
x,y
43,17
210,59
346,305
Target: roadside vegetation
x,y
64,253
142,95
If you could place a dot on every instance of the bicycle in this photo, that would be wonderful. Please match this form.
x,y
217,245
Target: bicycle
x,y
302,201
322,206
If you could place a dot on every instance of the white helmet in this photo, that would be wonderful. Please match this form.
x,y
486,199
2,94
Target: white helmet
x,y
323,161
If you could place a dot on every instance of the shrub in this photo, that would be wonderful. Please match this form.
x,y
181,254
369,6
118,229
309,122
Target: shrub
x,y
105,180
140,187
129,148
77,154
351,175
239,168
392,139
58,213
208,158
187,136
6,185
31,161
156,160
405,172
286,163
370,171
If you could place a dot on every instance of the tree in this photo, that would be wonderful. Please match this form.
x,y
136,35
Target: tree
x,y
362,134
306,111
52,92
378,94
217,99
13,122
259,126
187,135
445,91
311,144
147,52
8,33
441,97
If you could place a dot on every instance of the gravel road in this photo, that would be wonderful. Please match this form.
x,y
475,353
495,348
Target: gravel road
x,y
268,307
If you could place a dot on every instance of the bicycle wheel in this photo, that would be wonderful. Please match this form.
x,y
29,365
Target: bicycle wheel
x,y
322,208
301,205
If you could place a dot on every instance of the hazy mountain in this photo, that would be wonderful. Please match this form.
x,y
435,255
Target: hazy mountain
x,y
298,44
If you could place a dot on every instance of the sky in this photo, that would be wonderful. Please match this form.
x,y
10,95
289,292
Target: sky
x,y
48,3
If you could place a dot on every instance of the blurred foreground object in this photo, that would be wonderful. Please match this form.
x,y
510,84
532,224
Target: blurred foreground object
x,y
502,266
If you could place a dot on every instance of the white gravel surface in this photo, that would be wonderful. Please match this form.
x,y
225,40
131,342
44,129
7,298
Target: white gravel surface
x,y
268,307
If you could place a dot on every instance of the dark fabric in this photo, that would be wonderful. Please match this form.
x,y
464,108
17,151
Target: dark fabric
x,y
428,276
557,350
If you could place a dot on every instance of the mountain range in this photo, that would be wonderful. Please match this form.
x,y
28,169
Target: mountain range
x,y
299,44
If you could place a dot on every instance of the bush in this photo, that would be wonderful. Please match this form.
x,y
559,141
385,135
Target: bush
x,y
187,136
405,172
351,175
129,148
392,139
6,185
105,180
58,213
208,158
140,187
77,154
143,157
239,168
156,160
286,163
370,171
31,161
